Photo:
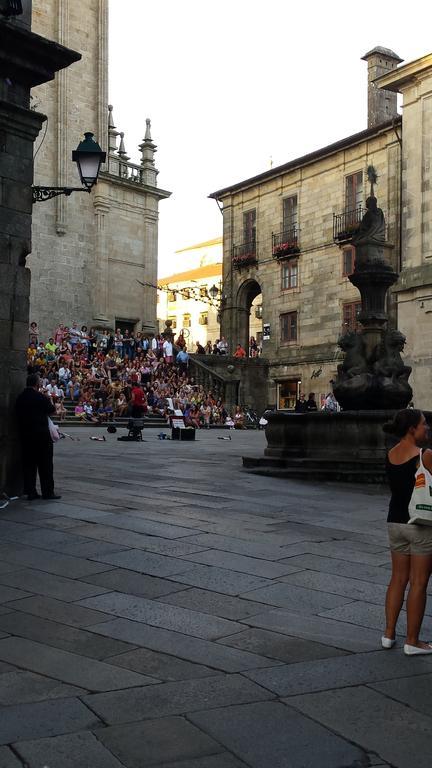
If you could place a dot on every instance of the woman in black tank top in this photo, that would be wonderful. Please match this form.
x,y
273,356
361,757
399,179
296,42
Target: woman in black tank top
x,y
411,545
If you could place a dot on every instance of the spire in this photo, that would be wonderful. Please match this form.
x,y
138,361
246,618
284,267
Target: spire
x,y
148,129
148,149
122,149
112,133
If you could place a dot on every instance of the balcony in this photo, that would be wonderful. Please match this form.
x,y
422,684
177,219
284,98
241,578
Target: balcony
x,y
285,244
346,225
244,255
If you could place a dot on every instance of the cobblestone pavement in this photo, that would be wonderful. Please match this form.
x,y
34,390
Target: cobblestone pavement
x,y
172,610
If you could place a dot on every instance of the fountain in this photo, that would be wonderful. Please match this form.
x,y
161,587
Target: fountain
x,y
371,383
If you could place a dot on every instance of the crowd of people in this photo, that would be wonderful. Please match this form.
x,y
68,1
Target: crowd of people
x,y
110,375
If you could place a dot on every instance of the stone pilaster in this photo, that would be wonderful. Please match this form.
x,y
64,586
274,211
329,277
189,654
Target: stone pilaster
x,y
63,159
101,278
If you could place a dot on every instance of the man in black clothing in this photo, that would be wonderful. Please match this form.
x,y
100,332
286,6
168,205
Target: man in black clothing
x,y
301,404
32,411
311,403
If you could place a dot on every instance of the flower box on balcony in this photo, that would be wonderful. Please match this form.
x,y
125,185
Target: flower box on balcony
x,y
245,260
286,249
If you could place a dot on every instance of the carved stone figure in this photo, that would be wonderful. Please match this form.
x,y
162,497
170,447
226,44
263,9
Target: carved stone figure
x,y
355,361
389,362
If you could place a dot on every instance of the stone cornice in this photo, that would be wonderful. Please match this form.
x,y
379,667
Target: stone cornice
x,y
134,186
399,78
30,59
414,277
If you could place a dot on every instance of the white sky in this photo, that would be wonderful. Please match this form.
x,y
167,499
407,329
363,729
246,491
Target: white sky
x,y
232,83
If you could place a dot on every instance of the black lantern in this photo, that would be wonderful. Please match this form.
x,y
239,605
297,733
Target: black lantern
x,y
213,291
88,156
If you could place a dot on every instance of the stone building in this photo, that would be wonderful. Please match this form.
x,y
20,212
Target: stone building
x,y
414,289
201,278
89,251
287,237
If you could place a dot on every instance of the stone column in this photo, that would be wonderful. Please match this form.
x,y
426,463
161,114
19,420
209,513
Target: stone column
x,y
25,60
60,178
18,129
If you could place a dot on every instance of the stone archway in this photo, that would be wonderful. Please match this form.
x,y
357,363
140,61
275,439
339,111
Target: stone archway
x,y
246,295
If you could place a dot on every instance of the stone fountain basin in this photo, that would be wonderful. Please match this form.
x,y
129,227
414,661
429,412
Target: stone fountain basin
x,y
346,446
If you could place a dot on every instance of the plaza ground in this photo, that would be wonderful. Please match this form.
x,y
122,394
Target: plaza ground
x,y
172,610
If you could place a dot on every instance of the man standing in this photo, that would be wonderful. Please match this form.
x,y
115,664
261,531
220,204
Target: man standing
x,y
182,361
32,411
168,351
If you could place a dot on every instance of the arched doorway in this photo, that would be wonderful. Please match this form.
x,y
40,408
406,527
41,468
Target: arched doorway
x,y
249,313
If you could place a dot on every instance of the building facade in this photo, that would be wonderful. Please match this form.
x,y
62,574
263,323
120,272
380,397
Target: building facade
x,y
189,298
414,289
90,252
287,238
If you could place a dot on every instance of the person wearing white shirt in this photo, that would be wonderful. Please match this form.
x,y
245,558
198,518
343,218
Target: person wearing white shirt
x,y
168,351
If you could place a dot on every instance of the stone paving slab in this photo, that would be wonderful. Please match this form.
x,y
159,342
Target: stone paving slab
x,y
62,636
222,760
337,634
156,741
77,750
189,648
91,674
20,687
281,647
330,583
8,759
131,523
219,579
377,574
123,580
162,615
58,610
271,735
351,552
242,563
14,556
325,674
176,698
7,594
415,692
50,585
45,718
215,604
238,546
155,544
398,734
299,599
145,562
369,615
160,665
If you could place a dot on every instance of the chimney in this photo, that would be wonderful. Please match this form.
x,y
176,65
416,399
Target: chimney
x,y
382,105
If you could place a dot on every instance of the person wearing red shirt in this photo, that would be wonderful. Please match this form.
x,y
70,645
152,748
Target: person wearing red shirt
x,y
240,352
138,402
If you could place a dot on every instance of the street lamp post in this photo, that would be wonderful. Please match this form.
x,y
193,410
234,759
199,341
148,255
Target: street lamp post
x,y
89,157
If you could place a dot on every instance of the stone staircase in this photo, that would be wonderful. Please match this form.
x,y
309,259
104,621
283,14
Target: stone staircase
x,y
152,421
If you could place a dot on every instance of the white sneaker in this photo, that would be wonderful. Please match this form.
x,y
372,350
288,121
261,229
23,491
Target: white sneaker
x,y
387,643
412,650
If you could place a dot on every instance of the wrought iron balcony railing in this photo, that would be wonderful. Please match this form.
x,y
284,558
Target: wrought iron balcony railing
x,y
346,225
285,243
244,255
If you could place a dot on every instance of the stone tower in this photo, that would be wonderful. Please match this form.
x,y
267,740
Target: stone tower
x,y
89,251
382,105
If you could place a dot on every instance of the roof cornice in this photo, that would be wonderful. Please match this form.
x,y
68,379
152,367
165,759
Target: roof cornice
x,y
398,78
299,162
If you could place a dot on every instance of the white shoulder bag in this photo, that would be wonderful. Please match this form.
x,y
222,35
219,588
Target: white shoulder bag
x,y
420,506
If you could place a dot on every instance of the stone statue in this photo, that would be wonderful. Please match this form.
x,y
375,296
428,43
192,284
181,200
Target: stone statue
x,y
389,362
372,227
354,363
